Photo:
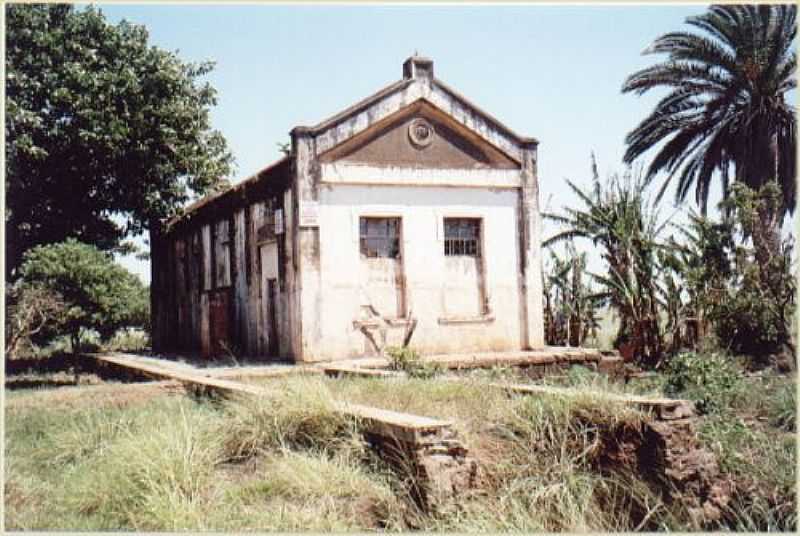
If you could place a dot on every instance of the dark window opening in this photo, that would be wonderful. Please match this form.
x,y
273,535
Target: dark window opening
x,y
380,237
267,229
462,237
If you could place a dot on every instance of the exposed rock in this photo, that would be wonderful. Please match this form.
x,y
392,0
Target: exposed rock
x,y
436,474
666,452
691,472
447,472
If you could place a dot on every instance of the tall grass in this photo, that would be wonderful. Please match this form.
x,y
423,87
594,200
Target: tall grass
x,y
539,471
313,491
156,479
299,413
288,461
163,465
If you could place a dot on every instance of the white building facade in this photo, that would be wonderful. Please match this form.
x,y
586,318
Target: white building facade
x,y
409,219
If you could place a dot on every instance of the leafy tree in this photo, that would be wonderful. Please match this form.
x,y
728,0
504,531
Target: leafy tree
x,y
32,311
696,274
713,282
105,134
754,317
726,108
616,218
97,293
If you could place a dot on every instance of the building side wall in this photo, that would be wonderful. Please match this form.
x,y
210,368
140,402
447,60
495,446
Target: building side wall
x,y
349,310
209,290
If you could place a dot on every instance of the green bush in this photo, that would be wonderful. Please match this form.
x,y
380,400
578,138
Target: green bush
x,y
409,361
129,340
747,322
782,407
98,294
710,380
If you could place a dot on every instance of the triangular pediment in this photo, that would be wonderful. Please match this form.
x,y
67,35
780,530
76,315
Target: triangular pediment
x,y
420,136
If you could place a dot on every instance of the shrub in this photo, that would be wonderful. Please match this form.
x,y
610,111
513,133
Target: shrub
x,y
750,321
409,361
782,407
755,314
711,380
129,340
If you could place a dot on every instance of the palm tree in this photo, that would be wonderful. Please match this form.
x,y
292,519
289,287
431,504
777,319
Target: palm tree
x,y
726,108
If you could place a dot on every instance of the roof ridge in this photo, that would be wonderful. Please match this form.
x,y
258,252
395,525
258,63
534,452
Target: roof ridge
x,y
363,103
205,200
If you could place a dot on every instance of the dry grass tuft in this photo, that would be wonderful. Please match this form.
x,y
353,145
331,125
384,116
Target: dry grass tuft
x,y
300,414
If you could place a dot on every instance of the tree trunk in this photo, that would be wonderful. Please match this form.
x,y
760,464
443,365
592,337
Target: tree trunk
x,y
75,342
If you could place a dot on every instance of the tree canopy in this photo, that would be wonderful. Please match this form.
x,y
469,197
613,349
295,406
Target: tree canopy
x,y
96,292
105,134
726,107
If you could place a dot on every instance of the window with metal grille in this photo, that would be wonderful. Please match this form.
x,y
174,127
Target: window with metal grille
x,y
462,237
380,237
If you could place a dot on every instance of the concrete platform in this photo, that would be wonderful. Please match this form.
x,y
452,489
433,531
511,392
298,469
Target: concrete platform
x,y
547,356
663,408
378,366
414,429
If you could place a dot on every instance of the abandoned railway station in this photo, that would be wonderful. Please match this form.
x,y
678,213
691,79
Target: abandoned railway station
x,y
411,217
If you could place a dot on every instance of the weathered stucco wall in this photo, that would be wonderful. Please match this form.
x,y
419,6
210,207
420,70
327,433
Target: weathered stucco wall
x,y
307,294
429,292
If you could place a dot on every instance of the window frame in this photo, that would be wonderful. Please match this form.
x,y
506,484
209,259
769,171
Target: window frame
x,y
463,246
363,236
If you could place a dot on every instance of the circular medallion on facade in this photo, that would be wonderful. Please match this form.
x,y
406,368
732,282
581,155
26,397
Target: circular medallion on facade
x,y
420,132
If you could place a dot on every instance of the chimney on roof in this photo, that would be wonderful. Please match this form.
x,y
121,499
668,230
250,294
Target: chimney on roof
x,y
418,67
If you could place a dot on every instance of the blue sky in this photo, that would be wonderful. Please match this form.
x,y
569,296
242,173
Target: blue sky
x,y
548,71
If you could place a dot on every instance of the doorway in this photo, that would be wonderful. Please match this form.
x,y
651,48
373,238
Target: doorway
x,y
219,306
270,300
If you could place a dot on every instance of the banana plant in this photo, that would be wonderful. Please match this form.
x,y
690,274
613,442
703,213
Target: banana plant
x,y
621,223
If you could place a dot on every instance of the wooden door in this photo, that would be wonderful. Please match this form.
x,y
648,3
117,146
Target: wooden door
x,y
218,305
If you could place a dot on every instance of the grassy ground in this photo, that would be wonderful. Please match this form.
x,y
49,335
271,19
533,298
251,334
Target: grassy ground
x,y
144,458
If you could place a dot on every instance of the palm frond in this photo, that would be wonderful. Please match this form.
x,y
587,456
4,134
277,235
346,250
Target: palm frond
x,y
727,81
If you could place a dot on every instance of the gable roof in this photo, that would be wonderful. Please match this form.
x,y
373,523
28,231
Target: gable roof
x,y
418,84
386,143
